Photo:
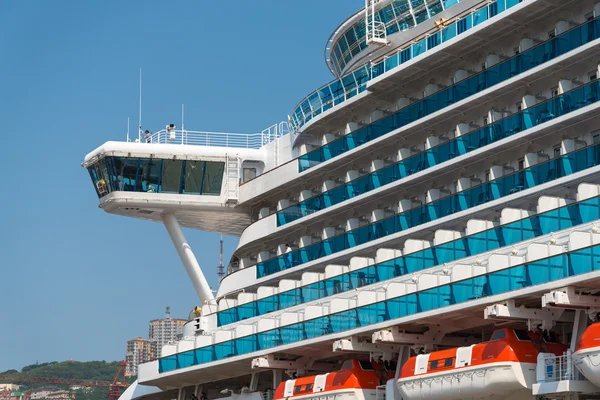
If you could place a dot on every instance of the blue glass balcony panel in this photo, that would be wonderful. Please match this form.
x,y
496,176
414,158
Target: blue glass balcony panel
x,y
493,190
492,76
506,235
506,127
542,271
347,47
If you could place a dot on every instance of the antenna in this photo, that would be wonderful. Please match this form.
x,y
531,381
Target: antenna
x,y
182,125
140,110
128,140
221,267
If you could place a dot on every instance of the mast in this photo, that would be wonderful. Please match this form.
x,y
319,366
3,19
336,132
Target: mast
x,y
221,267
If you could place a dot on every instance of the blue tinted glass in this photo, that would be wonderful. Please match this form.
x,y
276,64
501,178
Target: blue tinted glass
x,y
481,194
491,239
448,32
494,75
480,16
354,41
419,47
152,175
541,271
435,8
421,15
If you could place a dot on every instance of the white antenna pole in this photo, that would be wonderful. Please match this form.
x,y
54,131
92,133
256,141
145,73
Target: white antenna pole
x,y
128,140
182,126
140,110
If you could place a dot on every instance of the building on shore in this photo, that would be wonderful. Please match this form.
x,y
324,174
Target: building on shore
x,y
160,332
139,350
9,387
10,394
163,331
50,394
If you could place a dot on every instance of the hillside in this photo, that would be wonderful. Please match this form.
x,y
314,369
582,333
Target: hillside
x,y
91,370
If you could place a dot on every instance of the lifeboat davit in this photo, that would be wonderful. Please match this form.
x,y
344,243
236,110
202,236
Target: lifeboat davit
x,y
503,367
586,356
356,380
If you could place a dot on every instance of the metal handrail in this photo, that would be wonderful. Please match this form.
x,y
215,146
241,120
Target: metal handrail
x,y
201,138
559,368
217,139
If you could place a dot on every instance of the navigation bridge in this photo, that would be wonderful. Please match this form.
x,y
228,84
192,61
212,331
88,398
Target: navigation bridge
x,y
185,178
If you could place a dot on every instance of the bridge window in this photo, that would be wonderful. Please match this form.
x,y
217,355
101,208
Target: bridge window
x,y
151,175
171,176
194,172
346,365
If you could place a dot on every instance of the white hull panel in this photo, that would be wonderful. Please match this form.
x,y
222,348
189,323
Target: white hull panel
x,y
587,361
492,381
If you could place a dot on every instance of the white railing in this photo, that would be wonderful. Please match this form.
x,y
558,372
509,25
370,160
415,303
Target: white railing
x,y
376,32
380,392
551,368
198,138
218,139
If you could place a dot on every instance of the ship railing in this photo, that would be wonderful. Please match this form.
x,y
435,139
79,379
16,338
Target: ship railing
x,y
552,368
171,135
217,139
200,138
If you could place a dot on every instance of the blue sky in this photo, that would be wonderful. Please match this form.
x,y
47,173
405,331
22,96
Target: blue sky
x,y
77,283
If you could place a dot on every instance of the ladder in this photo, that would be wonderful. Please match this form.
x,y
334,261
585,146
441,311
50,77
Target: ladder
x,y
375,29
232,174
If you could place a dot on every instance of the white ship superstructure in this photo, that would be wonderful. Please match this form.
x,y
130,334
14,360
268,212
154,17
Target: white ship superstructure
x,y
443,188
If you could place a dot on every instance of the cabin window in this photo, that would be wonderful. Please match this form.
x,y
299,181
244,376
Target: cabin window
x,y
365,365
498,335
448,362
346,365
308,387
248,174
522,335
298,389
433,365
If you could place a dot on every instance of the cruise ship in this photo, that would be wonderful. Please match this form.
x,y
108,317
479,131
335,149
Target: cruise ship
x,y
424,226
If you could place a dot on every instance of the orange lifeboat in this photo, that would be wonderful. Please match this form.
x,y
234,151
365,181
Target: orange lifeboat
x,y
586,356
503,367
356,380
